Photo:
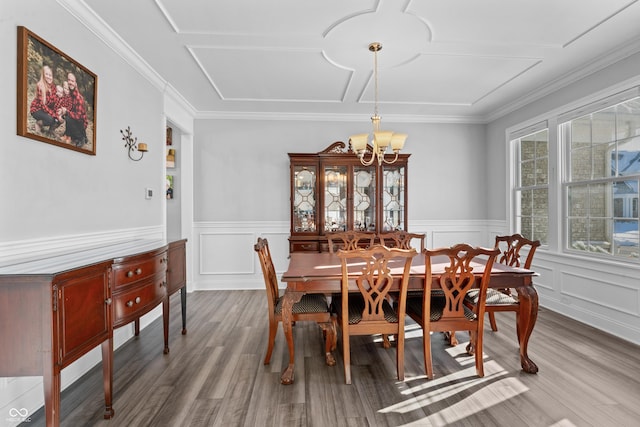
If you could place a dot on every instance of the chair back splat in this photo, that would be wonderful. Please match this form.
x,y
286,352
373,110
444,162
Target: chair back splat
x,y
349,240
402,239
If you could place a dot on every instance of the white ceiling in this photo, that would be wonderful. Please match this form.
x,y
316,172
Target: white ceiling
x,y
442,60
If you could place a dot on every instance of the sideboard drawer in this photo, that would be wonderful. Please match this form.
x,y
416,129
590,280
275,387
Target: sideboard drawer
x,y
135,269
133,303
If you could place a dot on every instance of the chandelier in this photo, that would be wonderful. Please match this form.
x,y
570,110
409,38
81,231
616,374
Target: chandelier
x,y
381,139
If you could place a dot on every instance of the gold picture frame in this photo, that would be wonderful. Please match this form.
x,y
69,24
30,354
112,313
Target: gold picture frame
x,y
66,117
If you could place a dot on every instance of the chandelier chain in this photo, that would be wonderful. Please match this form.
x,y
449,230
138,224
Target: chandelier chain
x,y
375,77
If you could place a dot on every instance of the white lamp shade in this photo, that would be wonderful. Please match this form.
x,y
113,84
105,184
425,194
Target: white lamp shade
x,y
397,141
382,138
359,141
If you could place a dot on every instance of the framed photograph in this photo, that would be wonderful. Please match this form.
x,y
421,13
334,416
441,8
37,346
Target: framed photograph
x,y
169,184
56,96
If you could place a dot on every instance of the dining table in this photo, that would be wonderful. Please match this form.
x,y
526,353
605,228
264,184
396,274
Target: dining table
x,y
321,272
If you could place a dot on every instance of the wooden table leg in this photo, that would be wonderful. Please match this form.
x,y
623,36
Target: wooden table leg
x,y
288,300
528,297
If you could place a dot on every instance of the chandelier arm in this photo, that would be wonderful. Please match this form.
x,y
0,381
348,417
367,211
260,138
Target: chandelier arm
x,y
384,159
367,162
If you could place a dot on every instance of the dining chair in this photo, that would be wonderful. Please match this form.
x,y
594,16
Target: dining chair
x,y
364,309
503,299
311,307
401,239
349,240
445,311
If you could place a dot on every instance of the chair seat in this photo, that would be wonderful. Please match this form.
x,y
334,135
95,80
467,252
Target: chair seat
x,y
494,297
356,307
414,305
309,303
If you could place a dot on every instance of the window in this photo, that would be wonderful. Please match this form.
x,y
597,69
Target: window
x,y
532,185
601,183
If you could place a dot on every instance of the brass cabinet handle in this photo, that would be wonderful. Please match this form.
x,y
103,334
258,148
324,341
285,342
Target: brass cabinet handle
x,y
131,273
130,303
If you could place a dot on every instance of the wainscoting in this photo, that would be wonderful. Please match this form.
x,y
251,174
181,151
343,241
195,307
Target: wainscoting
x,y
225,258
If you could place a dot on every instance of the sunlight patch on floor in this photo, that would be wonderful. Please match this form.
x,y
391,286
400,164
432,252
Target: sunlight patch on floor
x,y
492,389
563,423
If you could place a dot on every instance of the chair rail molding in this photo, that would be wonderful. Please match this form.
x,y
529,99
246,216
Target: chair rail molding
x,y
25,250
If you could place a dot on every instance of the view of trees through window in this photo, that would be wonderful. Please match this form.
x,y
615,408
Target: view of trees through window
x,y
601,180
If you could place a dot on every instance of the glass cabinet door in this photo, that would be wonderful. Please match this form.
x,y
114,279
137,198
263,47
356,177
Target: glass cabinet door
x,y
304,199
335,198
364,198
393,180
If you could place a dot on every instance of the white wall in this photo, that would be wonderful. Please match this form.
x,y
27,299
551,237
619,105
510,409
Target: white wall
x,y
53,197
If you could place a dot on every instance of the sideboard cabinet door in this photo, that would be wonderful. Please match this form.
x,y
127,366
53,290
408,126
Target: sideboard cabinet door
x,y
82,312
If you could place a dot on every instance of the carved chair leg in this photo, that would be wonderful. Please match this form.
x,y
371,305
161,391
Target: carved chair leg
x,y
385,341
451,337
492,321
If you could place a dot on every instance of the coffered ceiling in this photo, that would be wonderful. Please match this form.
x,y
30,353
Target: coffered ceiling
x,y
441,60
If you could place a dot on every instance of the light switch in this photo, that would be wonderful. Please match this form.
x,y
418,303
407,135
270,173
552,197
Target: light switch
x,y
148,193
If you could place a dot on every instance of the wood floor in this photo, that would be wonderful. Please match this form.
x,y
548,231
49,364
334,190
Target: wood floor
x,y
214,376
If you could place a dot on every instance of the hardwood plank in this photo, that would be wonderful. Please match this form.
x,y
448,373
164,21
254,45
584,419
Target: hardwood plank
x,y
214,376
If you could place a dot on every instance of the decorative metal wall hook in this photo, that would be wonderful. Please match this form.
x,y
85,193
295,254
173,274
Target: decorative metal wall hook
x,y
131,144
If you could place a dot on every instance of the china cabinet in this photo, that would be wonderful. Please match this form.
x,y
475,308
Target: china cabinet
x,y
332,191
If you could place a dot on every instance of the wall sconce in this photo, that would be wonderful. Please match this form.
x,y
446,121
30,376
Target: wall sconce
x,y
131,144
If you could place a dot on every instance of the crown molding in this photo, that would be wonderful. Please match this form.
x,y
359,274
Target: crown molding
x,y
333,117
87,17
573,76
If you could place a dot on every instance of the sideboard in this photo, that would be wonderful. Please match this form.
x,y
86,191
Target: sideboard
x,y
55,309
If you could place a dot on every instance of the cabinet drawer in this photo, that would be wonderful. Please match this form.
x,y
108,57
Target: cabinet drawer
x,y
304,247
138,268
133,303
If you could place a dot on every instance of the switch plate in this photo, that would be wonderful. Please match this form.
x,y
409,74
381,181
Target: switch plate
x,y
148,193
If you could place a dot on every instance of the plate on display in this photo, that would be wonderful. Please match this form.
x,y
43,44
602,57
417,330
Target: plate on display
x,y
361,202
363,179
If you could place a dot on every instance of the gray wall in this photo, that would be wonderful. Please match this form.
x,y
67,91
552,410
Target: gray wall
x,y
241,168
